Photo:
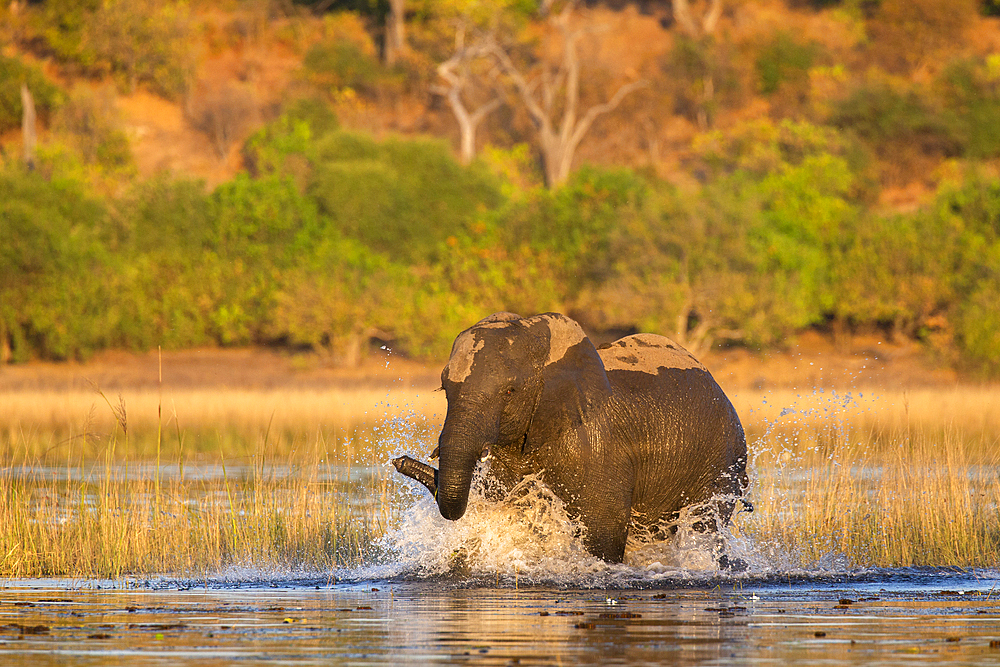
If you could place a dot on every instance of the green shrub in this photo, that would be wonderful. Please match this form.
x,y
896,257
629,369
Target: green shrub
x,y
135,41
978,326
53,268
971,92
401,197
341,64
60,26
785,62
260,227
884,116
286,145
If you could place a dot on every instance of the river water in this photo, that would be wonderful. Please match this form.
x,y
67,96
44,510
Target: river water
x,y
911,616
489,590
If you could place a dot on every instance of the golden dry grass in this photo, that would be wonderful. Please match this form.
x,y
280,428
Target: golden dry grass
x,y
912,502
113,522
886,479
286,408
39,422
970,409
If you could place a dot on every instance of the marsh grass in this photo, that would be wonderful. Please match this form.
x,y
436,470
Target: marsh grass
x,y
885,481
100,506
116,519
136,485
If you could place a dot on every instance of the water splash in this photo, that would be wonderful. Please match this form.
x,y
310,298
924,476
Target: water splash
x,y
529,539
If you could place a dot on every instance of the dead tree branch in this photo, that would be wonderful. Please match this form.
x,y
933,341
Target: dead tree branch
x,y
457,72
560,127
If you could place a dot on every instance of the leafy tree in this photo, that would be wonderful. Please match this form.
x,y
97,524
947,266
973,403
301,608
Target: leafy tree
x,y
776,216
903,123
399,197
53,265
971,91
139,41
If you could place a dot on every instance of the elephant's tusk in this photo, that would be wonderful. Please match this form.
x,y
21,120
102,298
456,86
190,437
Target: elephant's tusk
x,y
436,453
485,454
418,470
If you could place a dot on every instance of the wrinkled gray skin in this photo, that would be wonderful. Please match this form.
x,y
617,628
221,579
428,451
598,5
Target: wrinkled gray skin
x,y
627,435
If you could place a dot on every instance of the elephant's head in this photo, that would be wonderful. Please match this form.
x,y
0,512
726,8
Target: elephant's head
x,y
508,376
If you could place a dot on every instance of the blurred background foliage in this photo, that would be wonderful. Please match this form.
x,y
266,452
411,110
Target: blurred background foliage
x,y
335,238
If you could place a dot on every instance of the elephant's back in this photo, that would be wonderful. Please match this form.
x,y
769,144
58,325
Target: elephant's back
x,y
646,353
688,443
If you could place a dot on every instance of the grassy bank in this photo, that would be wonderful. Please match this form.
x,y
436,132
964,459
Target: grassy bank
x,y
209,423
893,479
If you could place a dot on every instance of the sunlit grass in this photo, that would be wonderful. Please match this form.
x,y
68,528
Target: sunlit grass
x,y
48,423
875,478
112,518
901,502
299,479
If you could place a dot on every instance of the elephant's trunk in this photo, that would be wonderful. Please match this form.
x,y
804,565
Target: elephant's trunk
x,y
459,454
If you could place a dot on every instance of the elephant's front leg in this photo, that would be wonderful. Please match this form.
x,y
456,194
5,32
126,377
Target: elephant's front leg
x,y
606,535
604,507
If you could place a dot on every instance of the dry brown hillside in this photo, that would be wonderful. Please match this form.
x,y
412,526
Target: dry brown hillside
x,y
247,64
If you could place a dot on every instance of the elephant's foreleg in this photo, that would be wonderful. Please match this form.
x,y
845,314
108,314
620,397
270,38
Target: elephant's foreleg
x,y
418,470
605,510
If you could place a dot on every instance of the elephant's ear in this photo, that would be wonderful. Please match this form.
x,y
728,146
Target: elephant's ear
x,y
575,383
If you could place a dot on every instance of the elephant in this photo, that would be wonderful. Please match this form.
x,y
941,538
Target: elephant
x,y
627,435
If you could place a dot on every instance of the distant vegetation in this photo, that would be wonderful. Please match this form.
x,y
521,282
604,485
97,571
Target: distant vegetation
x,y
334,238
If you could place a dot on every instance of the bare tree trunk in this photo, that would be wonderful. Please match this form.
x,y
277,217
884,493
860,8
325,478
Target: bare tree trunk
x,y
683,16
29,132
559,136
395,31
457,72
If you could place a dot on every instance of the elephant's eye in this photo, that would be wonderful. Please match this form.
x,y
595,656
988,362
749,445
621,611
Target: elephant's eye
x,y
510,391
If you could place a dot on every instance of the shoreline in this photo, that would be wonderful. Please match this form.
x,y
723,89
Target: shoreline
x,y
811,362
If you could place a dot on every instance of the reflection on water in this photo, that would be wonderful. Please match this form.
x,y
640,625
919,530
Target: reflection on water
x,y
890,617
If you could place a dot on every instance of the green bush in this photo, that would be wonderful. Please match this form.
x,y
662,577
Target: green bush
x,y
135,41
785,62
889,119
400,197
286,145
341,64
978,326
53,268
60,25
972,93
782,200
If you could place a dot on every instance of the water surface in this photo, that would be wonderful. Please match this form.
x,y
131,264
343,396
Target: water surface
x,y
908,616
